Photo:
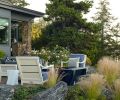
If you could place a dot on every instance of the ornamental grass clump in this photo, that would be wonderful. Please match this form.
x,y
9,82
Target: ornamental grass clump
x,y
116,90
52,77
109,68
92,86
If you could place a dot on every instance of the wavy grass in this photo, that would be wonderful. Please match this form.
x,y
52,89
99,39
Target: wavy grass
x,y
109,68
52,77
116,90
92,86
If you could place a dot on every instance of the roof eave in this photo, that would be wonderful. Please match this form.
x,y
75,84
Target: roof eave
x,y
22,10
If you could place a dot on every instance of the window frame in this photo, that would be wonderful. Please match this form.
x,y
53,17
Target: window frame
x,y
7,31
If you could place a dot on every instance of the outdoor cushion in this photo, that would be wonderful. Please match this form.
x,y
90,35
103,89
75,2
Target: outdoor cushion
x,y
82,59
81,56
73,62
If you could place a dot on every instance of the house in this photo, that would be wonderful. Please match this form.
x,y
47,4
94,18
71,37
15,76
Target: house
x,y
15,28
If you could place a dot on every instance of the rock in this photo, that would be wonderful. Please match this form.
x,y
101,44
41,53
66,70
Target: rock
x,y
56,93
6,92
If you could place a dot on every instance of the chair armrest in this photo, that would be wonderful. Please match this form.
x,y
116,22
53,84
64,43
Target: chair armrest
x,y
81,62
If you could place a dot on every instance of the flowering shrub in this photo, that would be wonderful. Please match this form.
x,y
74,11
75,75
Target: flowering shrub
x,y
44,53
54,55
34,52
59,54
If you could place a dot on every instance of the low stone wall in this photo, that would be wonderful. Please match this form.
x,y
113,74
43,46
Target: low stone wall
x,y
56,93
6,92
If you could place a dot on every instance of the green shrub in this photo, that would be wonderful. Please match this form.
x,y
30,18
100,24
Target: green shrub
x,y
74,93
24,92
2,54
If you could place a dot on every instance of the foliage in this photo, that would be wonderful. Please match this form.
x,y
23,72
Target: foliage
x,y
116,90
2,54
44,53
68,28
115,47
37,27
53,55
26,92
21,3
98,86
109,30
53,77
92,86
74,93
109,68
59,54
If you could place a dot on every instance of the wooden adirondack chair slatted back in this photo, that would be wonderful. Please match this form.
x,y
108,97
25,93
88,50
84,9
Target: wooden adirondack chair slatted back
x,y
30,71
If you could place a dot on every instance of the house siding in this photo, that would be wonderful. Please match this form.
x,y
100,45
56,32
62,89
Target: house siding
x,y
6,47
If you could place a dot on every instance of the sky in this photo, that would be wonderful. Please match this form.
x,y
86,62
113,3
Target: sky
x,y
40,5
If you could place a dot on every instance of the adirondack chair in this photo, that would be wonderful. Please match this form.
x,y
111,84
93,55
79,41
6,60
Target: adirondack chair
x,y
30,70
76,68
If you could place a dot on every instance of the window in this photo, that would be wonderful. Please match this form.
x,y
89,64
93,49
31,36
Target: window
x,y
4,31
16,35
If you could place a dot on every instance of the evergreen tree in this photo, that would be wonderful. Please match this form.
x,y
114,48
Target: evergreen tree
x,y
115,47
69,28
104,17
